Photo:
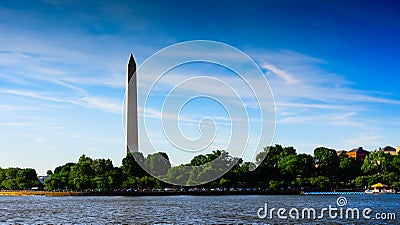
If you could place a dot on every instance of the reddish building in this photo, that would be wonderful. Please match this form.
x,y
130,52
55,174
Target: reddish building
x,y
357,153
389,150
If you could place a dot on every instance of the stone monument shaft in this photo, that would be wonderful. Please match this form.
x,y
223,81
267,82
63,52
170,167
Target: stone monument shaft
x,y
132,143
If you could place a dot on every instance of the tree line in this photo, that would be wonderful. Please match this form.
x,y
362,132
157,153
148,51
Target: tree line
x,y
18,179
277,168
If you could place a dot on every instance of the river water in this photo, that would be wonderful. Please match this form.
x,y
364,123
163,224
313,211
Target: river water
x,y
196,209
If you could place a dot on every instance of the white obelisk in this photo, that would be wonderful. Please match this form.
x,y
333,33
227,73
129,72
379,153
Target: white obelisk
x,y
132,143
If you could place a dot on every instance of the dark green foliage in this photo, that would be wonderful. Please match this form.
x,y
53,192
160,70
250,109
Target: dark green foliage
x,y
86,174
326,161
132,165
18,179
158,163
281,168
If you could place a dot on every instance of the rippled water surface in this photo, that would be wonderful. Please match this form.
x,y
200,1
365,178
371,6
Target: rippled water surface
x,y
184,209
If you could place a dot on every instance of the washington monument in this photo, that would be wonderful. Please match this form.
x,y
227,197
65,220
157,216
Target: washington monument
x,y
132,144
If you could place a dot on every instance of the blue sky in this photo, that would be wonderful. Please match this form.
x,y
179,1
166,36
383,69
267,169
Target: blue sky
x,y
332,67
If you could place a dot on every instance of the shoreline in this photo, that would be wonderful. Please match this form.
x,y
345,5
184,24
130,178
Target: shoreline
x,y
162,193
144,193
40,193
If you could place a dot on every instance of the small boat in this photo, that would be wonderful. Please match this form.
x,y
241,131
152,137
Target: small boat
x,y
369,191
386,191
380,188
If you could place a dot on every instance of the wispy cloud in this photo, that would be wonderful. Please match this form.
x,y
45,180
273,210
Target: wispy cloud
x,y
193,119
304,85
340,119
14,107
304,92
282,105
370,141
103,104
288,78
46,68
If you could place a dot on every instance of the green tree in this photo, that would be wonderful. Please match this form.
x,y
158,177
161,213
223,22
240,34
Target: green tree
x,y
361,181
83,167
269,160
53,183
11,173
86,174
101,183
82,182
115,178
149,182
82,173
199,160
296,166
102,166
66,168
322,182
224,182
241,175
349,169
301,182
10,184
377,162
131,183
395,164
27,178
326,161
132,165
275,184
60,179
179,174
158,163
2,176
390,178
49,173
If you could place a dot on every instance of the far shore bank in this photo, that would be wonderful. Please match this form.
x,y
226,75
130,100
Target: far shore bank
x,y
143,193
40,193
154,193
